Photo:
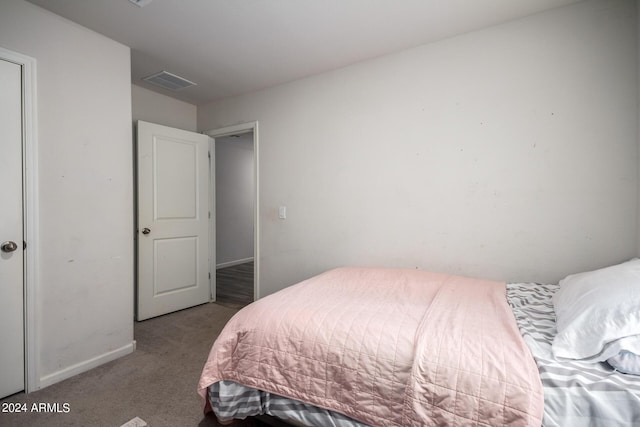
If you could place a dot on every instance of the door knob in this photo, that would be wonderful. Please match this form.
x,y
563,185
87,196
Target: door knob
x,y
146,231
8,246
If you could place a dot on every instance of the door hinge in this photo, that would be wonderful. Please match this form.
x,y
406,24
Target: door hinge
x,y
209,154
209,214
24,245
209,275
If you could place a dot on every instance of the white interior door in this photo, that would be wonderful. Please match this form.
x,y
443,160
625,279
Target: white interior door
x,y
11,235
173,224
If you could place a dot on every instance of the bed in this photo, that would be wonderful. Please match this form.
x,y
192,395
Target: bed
x,y
355,347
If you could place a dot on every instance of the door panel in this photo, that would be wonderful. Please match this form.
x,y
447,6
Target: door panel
x,y
174,172
176,264
11,261
173,224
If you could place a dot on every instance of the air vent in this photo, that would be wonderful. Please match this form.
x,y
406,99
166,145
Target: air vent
x,y
140,3
168,81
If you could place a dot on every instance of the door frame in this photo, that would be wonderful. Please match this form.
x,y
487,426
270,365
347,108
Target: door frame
x,y
226,131
30,214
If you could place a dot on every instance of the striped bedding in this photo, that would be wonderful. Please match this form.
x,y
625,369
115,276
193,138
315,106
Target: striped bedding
x,y
232,400
575,393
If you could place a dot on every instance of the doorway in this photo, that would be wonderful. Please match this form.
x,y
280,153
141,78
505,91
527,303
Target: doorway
x,y
179,145
235,203
234,194
18,222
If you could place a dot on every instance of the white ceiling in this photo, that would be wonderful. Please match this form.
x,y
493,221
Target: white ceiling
x,y
230,47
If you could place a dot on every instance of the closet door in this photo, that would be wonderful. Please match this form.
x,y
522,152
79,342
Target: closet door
x,y
11,233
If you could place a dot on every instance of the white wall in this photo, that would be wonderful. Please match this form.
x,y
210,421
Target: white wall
x,y
161,109
507,153
234,199
85,289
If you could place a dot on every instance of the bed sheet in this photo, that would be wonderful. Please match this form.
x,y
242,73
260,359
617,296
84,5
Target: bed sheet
x,y
576,393
232,400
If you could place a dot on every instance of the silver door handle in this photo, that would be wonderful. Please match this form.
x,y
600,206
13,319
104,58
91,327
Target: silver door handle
x,y
146,231
8,246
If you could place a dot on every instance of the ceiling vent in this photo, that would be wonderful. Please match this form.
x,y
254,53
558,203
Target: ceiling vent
x,y
140,3
168,81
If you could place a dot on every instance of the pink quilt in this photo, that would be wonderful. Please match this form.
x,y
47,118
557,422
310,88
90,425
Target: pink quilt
x,y
386,347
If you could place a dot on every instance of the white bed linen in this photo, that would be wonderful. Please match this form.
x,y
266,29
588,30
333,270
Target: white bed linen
x,y
576,393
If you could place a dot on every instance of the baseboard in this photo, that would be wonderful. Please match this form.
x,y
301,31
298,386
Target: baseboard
x,y
87,365
232,263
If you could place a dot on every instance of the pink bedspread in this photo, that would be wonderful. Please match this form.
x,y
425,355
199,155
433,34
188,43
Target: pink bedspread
x,y
386,347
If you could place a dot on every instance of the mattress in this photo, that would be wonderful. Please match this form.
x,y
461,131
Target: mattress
x,y
575,393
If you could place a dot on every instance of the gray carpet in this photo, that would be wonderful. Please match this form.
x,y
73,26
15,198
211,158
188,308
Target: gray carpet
x,y
156,383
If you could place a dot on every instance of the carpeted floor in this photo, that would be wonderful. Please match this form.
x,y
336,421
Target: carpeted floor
x,y
156,383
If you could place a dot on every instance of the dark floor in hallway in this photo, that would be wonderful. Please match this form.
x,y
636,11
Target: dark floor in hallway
x,y
234,285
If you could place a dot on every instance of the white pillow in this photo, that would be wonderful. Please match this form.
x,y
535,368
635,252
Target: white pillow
x,y
623,345
596,308
625,362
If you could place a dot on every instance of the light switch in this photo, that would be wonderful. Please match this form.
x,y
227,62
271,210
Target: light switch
x,y
282,212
